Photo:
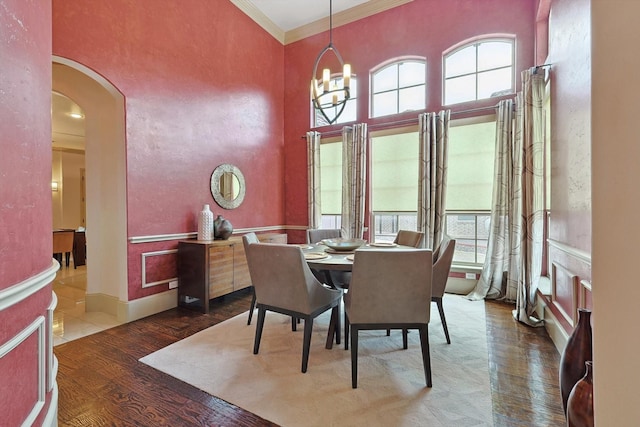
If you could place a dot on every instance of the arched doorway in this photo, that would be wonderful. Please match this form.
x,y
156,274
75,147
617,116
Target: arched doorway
x,y
105,158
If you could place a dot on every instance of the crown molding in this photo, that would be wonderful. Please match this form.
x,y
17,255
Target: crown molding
x,y
345,17
342,18
260,18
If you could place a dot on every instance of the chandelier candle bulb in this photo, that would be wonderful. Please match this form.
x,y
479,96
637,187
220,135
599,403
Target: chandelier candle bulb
x,y
326,79
346,74
335,99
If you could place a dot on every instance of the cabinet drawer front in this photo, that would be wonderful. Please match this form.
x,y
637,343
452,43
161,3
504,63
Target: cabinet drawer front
x,y
220,270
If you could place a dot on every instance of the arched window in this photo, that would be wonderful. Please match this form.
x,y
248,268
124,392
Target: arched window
x,y
479,70
398,87
350,112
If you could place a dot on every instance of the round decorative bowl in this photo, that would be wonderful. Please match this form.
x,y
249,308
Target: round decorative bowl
x,y
340,244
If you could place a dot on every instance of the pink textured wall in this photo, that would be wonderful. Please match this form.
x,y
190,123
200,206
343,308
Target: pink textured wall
x,y
25,191
422,28
203,85
570,56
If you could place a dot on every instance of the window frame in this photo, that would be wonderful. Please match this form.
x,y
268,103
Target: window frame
x,y
385,65
476,42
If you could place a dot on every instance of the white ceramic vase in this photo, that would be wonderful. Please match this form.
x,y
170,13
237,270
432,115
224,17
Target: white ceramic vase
x,y
205,224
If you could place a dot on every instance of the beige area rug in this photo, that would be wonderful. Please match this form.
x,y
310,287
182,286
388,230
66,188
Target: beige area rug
x,y
391,387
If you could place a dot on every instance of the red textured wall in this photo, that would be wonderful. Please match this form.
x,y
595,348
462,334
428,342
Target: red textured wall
x,y
203,85
25,191
422,28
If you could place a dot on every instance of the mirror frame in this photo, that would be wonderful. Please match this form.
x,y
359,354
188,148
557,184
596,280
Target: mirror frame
x,y
215,186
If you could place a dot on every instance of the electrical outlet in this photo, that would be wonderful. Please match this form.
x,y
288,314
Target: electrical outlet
x,y
471,276
173,284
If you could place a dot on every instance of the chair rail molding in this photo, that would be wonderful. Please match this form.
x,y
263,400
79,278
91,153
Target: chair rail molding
x,y
23,290
570,250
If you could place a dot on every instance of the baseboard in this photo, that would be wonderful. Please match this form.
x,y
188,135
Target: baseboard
x,y
556,332
128,311
51,418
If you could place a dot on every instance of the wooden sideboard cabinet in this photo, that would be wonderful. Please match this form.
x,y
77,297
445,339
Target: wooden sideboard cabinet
x,y
212,268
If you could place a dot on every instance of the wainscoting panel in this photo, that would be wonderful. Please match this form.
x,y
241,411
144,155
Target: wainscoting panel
x,y
564,292
158,267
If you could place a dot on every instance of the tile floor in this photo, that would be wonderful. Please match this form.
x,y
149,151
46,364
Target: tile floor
x,y
70,321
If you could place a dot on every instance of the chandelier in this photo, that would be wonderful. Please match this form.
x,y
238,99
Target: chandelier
x,y
330,95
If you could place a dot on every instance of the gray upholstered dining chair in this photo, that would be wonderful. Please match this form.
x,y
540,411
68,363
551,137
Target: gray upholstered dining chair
x,y
248,239
284,283
338,279
372,304
409,238
318,234
442,259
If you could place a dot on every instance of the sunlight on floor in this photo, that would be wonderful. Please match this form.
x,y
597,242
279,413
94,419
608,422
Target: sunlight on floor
x,y
70,321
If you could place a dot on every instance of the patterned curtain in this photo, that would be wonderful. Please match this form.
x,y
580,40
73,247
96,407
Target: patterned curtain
x,y
432,175
313,178
514,254
354,174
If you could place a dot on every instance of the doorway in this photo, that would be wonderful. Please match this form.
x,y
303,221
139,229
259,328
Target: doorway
x,y
105,181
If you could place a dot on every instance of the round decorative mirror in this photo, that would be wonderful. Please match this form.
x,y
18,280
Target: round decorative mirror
x,y
227,186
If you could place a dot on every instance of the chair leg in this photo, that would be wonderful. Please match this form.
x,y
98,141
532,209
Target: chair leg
x,y
388,332
426,358
405,340
259,326
442,319
306,344
347,326
354,357
294,324
253,305
67,257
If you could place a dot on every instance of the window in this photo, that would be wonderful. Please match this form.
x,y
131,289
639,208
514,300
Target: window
x,y
349,113
398,87
478,71
394,184
331,184
470,187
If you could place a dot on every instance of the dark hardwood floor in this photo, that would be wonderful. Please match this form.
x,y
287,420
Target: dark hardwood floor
x,y
102,383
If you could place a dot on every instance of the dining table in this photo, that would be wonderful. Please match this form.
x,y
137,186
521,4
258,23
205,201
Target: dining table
x,y
323,259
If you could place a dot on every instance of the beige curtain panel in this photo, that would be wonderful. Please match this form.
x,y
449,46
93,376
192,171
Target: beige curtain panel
x,y
354,174
313,178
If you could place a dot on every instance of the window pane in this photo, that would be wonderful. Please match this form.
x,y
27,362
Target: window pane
x,y
349,113
461,62
460,89
386,79
470,166
394,173
412,73
465,251
495,81
412,98
482,251
331,178
494,55
385,103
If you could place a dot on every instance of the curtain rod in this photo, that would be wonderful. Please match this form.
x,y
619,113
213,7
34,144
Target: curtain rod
x,y
411,121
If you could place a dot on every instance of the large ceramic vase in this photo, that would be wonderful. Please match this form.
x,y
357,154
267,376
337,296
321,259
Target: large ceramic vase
x,y
575,354
222,228
580,402
205,224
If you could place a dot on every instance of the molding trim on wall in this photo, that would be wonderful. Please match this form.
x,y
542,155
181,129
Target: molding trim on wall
x,y
194,234
51,359
574,279
101,302
353,14
260,18
128,311
145,255
23,290
51,419
570,250
363,10
36,326
556,332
